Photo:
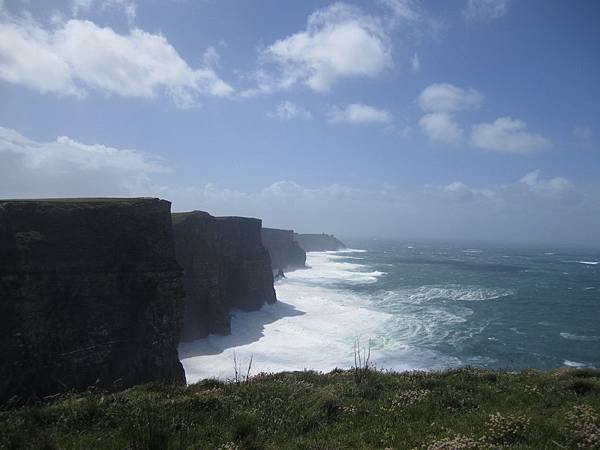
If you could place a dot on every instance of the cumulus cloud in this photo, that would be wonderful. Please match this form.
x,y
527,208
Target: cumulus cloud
x,y
78,56
445,97
507,135
485,9
359,114
554,188
65,167
288,110
339,42
441,127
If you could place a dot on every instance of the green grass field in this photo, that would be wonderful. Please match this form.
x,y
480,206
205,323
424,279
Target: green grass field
x,y
462,409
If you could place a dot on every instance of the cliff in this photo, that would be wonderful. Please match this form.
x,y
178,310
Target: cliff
x,y
225,266
319,242
283,249
90,295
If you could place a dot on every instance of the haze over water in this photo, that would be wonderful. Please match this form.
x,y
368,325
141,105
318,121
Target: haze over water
x,y
422,307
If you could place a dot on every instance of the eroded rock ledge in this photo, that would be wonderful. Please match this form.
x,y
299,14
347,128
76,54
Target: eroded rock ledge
x,y
283,249
225,265
90,295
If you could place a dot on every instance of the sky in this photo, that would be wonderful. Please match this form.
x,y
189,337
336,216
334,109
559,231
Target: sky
x,y
465,119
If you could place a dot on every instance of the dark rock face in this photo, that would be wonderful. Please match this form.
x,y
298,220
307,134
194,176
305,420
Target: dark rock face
x,y
319,242
225,266
90,295
284,250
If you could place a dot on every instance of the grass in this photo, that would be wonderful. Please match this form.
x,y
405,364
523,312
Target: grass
x,y
459,409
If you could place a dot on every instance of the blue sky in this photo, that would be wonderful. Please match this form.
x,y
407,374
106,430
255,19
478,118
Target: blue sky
x,y
462,119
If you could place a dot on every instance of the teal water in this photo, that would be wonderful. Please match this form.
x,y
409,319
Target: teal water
x,y
420,307
493,306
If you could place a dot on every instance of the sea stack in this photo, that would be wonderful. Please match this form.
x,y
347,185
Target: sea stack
x,y
225,265
90,295
283,249
319,242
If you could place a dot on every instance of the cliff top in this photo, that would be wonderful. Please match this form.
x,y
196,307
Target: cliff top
x,y
179,216
84,201
466,408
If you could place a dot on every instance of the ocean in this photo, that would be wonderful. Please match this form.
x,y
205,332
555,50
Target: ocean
x,y
418,307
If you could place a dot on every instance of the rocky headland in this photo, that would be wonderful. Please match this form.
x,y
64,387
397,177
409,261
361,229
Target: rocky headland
x,y
319,242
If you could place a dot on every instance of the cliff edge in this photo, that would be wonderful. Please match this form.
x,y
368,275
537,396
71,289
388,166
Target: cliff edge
x,y
225,266
283,249
90,295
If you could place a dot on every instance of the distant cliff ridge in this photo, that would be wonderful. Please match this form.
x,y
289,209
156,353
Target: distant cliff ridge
x,y
319,242
90,295
284,250
225,266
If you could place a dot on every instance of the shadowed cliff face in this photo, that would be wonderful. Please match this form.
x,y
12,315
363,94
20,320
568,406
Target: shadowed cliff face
x,y
90,295
284,250
319,242
225,266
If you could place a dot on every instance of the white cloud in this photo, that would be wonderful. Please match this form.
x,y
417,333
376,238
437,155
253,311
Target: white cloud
x,y
534,208
288,110
129,7
507,135
359,114
441,127
415,63
404,9
556,188
445,97
79,56
66,167
211,57
485,9
339,42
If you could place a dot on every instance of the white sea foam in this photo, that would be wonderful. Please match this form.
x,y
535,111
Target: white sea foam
x,y
576,364
589,263
576,337
313,326
426,294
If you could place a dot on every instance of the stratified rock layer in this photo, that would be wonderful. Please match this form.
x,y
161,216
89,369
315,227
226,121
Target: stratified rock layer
x,y
90,295
319,242
225,266
283,249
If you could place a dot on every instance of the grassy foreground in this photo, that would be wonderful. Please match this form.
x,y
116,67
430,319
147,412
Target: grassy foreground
x,y
461,409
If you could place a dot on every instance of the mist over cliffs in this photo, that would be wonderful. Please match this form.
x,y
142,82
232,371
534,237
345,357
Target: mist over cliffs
x,y
283,249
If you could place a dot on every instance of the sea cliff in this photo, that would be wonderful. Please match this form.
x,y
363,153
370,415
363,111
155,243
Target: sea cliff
x,y
319,242
90,295
225,265
283,249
